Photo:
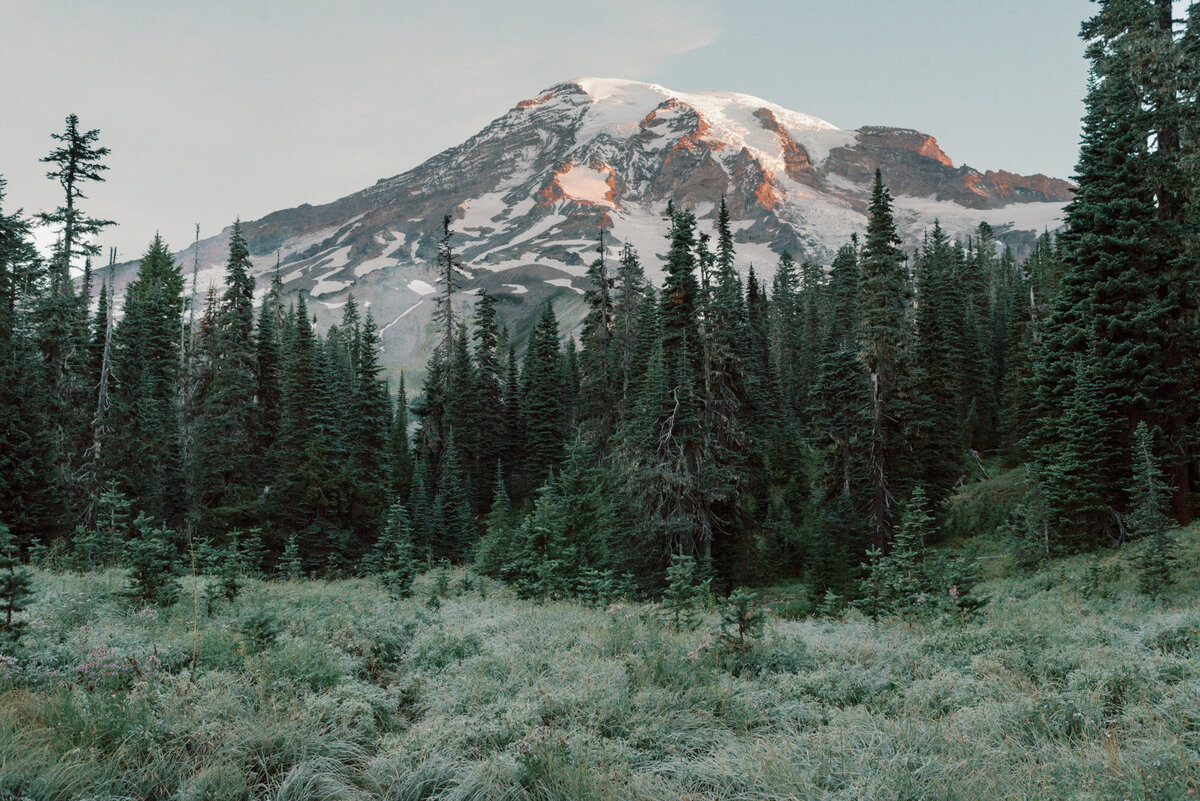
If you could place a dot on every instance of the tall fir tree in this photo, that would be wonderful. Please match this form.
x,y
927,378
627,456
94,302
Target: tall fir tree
x,y
63,329
883,308
841,430
227,424
400,448
543,400
144,457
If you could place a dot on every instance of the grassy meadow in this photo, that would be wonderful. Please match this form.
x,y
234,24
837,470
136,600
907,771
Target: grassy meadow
x,y
1066,684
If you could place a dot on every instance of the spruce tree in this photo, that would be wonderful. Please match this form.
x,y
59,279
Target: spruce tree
x,y
596,362
937,428
841,401
145,414
63,313
543,394
394,558
287,501
494,550
153,563
267,362
683,594
488,395
399,447
369,431
632,293
31,485
455,530
883,307
1148,521
226,431
15,591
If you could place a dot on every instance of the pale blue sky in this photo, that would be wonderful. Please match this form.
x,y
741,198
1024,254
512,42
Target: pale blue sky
x,y
217,109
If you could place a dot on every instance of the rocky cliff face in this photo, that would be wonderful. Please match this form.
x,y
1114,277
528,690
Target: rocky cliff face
x,y
529,192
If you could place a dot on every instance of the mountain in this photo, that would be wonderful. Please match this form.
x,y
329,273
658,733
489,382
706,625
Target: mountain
x,y
530,191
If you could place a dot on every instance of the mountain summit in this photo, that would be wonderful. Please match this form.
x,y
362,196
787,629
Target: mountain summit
x,y
530,191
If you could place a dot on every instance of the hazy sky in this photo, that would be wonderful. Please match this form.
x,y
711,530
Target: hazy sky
x,y
218,109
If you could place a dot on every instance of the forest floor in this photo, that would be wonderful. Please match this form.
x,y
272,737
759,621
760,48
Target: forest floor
x,y
1067,684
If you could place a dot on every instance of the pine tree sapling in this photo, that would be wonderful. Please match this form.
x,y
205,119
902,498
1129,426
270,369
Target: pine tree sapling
x,y
153,563
683,595
742,619
1148,522
394,559
15,591
290,566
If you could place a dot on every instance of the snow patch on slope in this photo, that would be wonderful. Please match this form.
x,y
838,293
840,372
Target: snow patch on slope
x,y
586,184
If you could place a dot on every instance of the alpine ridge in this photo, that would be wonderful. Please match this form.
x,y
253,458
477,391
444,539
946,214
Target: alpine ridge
x,y
529,193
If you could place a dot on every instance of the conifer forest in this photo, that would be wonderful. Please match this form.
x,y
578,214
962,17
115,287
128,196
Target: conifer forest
x,y
916,523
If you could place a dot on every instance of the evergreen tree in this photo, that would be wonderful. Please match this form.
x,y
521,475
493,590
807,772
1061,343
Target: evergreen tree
x,y
632,299
597,392
454,528
77,161
268,356
287,501
370,421
447,266
684,593
62,313
394,559
290,565
543,399
495,548
1128,288
841,429
399,448
904,580
784,333
1148,521
937,427
226,430
153,563
31,486
15,591
883,307
145,414
512,452
1074,477
488,395
462,417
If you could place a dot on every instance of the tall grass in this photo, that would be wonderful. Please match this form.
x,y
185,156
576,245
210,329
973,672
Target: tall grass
x,y
1059,689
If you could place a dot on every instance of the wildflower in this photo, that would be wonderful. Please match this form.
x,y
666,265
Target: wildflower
x,y
954,592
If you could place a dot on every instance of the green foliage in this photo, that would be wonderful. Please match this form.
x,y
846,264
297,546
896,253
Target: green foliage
x,y
742,618
153,563
1148,521
832,604
229,565
684,593
911,579
260,628
15,591
394,564
599,588
290,565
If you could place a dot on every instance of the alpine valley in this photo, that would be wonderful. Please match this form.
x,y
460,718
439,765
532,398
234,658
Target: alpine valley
x,y
529,194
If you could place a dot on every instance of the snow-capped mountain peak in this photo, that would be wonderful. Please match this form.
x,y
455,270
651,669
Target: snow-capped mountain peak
x,y
530,192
